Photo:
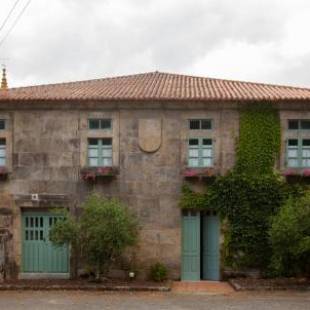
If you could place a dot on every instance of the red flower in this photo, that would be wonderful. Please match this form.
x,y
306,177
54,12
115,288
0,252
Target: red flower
x,y
91,173
196,172
306,172
290,172
3,171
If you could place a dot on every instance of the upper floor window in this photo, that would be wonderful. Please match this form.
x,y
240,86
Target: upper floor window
x,y
100,152
200,152
200,124
96,123
2,124
295,124
2,152
298,153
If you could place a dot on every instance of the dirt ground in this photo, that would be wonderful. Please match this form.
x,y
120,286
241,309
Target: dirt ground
x,y
65,300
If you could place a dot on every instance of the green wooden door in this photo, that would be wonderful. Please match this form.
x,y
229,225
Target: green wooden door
x,y
38,253
191,246
210,247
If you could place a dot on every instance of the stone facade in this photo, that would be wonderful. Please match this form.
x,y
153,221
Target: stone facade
x,y
47,147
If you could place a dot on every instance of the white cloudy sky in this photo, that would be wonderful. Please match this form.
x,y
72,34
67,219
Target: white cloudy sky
x,y
65,40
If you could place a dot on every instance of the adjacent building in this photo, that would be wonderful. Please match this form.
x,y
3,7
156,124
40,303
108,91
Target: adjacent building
x,y
138,138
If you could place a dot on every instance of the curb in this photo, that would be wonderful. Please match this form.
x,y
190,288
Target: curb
x,y
121,288
239,287
235,285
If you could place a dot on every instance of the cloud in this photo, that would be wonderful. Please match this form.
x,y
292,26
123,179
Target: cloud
x,y
259,40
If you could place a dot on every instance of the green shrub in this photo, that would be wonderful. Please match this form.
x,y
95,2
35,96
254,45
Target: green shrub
x,y
101,234
159,272
290,238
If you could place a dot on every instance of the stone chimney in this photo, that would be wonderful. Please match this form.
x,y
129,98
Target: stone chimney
x,y
4,82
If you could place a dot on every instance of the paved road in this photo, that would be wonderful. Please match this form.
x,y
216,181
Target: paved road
x,y
139,301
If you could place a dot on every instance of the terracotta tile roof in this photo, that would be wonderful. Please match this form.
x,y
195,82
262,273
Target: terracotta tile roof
x,y
157,86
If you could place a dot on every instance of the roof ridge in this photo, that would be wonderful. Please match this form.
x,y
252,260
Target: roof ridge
x,y
161,73
157,85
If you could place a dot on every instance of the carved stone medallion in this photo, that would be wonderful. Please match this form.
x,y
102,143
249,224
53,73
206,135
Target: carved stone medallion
x,y
150,134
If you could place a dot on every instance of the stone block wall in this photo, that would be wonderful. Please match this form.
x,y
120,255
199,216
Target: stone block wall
x,y
48,148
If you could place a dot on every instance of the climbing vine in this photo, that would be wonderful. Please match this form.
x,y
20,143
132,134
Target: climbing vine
x,y
259,140
251,193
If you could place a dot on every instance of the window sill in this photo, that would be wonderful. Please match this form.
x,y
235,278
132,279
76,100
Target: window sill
x,y
201,172
93,173
301,172
4,172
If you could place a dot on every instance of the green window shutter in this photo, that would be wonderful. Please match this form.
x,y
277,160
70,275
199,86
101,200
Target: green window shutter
x,y
206,159
106,152
292,153
200,152
305,153
100,152
298,153
2,152
193,152
298,149
93,152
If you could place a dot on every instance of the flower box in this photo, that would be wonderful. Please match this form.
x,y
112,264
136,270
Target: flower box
x,y
92,173
306,172
3,173
199,172
290,172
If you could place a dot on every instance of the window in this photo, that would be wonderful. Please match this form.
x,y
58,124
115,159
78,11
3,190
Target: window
x,y
298,149
305,124
200,152
100,152
200,124
2,152
2,124
99,123
298,153
298,124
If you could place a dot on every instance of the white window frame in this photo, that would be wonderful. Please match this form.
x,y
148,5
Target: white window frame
x,y
104,155
202,153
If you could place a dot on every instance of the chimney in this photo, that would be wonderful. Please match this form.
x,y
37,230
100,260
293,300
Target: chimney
x,y
4,82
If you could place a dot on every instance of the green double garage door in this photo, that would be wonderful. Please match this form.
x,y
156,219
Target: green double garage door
x,y
39,255
200,246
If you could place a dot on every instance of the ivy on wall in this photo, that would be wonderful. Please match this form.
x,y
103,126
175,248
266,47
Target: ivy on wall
x,y
251,193
247,203
192,200
259,140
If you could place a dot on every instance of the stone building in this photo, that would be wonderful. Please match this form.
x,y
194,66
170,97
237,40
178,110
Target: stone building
x,y
135,137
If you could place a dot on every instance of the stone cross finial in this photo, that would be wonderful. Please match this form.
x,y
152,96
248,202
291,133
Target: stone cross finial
x,y
4,82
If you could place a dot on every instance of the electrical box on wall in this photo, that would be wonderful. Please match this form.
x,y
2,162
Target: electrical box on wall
x,y
35,197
